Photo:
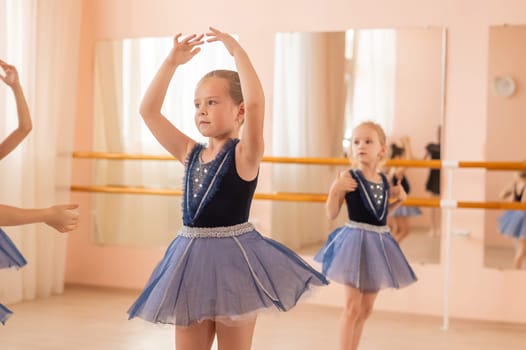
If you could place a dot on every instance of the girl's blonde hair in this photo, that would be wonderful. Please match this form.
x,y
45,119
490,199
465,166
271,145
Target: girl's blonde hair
x,y
232,78
381,137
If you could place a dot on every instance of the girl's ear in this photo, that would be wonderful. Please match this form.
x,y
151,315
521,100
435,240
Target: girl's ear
x,y
241,113
383,151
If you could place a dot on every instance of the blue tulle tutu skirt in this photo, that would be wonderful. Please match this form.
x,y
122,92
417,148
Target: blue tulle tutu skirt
x,y
10,256
218,277
512,223
407,211
4,314
365,257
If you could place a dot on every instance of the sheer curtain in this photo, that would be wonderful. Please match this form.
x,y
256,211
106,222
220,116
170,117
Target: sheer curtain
x,y
123,71
372,78
41,39
308,121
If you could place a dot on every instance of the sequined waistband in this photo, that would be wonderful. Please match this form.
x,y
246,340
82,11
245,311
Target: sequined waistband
x,y
367,227
216,232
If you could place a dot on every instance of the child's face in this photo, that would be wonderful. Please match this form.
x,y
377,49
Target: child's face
x,y
216,115
366,146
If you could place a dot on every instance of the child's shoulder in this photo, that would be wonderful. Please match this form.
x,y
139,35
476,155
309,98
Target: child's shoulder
x,y
348,172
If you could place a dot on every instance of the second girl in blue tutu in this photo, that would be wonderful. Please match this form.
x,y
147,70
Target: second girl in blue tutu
x,y
362,255
219,271
512,223
62,218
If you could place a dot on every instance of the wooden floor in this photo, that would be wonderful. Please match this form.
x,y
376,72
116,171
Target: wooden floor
x,y
89,318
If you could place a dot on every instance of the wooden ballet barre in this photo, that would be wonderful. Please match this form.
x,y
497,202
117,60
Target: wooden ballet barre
x,y
493,165
435,202
127,190
492,205
434,164
280,196
119,156
304,197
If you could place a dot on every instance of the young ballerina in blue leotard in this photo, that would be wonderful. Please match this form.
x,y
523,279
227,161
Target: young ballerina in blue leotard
x,y
63,218
219,271
362,255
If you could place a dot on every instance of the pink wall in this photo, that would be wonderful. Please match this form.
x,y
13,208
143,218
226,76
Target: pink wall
x,y
506,115
475,292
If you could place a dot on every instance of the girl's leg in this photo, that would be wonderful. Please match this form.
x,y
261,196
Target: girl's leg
x,y
521,254
435,220
235,335
393,227
358,307
403,228
198,336
367,308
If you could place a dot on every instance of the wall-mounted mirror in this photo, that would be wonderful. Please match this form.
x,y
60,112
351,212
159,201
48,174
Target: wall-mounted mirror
x,y
505,139
327,82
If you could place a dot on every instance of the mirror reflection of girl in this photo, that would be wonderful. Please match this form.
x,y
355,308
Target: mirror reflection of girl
x,y
433,178
362,255
218,272
398,220
512,223
433,181
62,218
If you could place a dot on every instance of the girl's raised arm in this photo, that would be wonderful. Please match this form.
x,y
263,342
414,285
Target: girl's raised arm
x,y
340,186
251,145
408,150
507,192
24,118
171,138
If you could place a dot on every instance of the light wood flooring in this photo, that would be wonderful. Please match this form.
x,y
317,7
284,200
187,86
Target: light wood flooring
x,y
93,318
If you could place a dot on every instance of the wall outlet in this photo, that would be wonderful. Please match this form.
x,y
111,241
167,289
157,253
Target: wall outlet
x,y
461,232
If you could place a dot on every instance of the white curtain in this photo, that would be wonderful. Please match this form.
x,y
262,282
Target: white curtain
x,y
41,39
308,121
123,71
372,80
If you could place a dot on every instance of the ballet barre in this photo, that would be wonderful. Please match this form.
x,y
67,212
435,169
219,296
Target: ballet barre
x,y
433,164
301,197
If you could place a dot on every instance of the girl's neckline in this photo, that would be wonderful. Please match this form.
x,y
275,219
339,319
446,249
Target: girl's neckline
x,y
201,158
205,147
374,182
380,181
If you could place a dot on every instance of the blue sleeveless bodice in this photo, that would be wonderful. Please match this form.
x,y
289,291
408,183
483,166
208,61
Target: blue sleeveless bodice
x,y
363,206
517,196
224,198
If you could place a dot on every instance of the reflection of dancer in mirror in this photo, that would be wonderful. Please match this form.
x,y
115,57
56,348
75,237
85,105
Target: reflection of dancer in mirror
x,y
398,220
219,271
363,255
60,217
433,181
512,223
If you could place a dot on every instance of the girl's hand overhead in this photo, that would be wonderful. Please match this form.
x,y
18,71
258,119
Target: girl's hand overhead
x,y
10,76
185,49
230,43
